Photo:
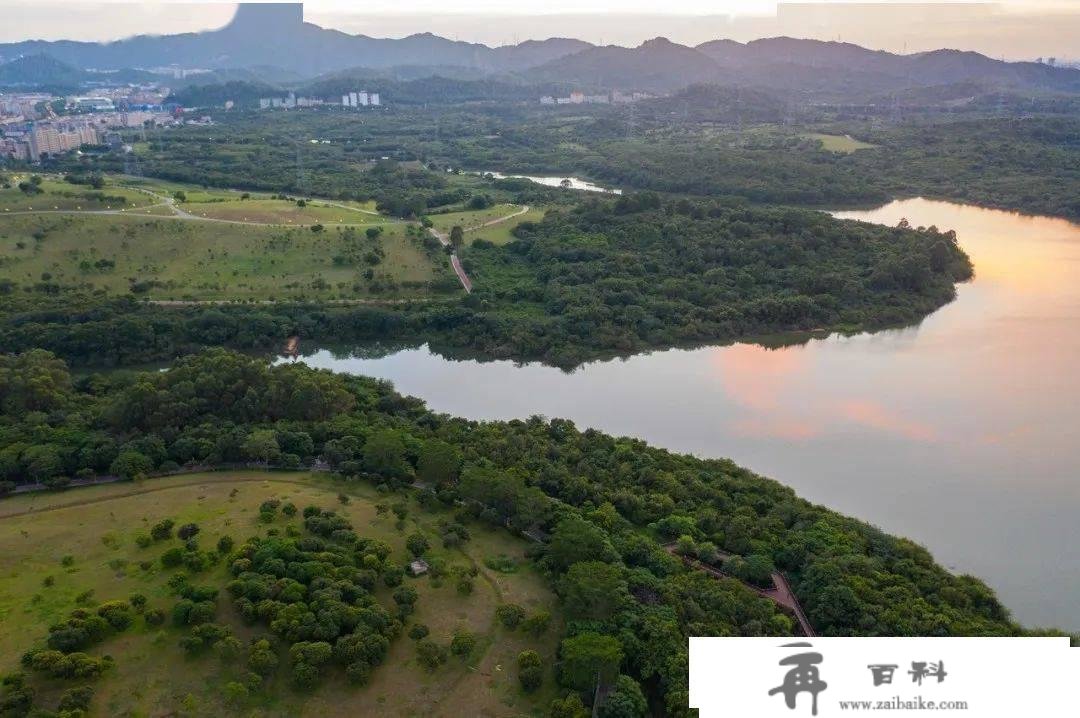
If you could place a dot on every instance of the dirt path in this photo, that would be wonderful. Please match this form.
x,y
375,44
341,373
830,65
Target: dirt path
x,y
194,480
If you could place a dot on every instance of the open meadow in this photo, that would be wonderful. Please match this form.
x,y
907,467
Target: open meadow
x,y
172,258
79,548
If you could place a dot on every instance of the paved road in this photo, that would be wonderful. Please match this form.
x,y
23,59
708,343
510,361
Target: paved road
x,y
455,262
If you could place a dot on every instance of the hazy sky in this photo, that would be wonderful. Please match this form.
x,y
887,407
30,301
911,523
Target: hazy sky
x,y
1016,29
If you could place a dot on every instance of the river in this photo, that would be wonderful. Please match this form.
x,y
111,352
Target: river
x,y
962,433
574,183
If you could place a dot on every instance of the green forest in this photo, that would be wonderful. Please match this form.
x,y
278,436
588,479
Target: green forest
x,y
604,506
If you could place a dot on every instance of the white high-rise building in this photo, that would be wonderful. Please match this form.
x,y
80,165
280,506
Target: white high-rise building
x,y
345,100
353,100
374,98
363,97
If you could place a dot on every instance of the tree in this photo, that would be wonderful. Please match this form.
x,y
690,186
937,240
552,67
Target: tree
x,y
131,464
457,236
262,445
536,624
510,615
384,454
418,631
587,656
417,544
33,381
162,530
568,707
225,544
575,540
530,670
625,700
439,464
187,531
430,654
592,590
261,658
462,644
74,700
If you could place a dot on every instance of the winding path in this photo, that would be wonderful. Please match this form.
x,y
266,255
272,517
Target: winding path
x,y
178,213
780,593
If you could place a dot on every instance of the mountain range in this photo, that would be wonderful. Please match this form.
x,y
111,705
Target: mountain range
x,y
276,38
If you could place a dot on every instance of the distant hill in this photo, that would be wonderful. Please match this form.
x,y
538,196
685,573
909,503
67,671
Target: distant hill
x,y
276,36
657,65
39,71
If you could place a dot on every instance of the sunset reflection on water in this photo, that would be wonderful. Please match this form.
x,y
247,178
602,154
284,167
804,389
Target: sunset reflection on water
x,y
962,432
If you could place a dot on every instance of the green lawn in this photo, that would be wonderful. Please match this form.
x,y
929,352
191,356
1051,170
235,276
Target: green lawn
x,y
279,211
170,258
97,526
59,195
471,220
501,233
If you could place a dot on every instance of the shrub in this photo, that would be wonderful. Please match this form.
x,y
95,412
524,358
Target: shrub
x,y
358,672
430,654
536,624
510,615
187,531
162,530
225,544
462,644
530,670
76,699
418,631
173,557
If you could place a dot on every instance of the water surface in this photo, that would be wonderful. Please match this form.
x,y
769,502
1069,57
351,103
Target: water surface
x,y
568,182
962,433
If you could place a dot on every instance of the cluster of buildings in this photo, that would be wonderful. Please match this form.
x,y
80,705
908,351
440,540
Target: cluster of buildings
x,y
29,142
360,99
26,137
288,102
580,98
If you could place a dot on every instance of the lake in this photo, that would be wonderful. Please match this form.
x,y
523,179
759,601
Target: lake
x,y
962,433
567,182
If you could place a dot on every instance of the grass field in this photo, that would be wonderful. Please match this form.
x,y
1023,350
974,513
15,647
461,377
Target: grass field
x,y
501,233
97,526
473,220
59,195
838,143
170,258
279,211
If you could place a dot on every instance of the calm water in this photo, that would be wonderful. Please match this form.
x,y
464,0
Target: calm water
x,y
570,182
962,433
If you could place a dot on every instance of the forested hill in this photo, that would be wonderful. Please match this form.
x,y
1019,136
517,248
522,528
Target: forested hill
x,y
607,503
608,278
643,273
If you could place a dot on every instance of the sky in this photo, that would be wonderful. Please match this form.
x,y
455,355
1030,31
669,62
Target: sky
x,y
1010,29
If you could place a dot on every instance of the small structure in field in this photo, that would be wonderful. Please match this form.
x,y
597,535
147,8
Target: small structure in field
x,y
418,567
